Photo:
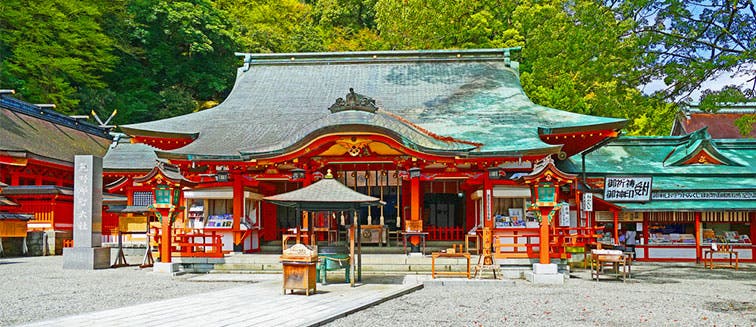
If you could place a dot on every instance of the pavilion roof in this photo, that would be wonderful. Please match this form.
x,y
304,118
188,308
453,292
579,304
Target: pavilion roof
x,y
455,102
325,194
27,130
126,156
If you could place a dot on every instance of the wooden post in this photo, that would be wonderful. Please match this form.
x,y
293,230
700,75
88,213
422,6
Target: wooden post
x,y
698,235
351,255
543,237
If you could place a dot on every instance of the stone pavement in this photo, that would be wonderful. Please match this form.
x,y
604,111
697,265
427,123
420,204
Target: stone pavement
x,y
259,303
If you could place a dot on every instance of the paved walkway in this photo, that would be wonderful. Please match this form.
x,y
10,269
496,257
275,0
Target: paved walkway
x,y
260,303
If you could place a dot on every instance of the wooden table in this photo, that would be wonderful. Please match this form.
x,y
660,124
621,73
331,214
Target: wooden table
x,y
619,263
435,255
709,258
407,234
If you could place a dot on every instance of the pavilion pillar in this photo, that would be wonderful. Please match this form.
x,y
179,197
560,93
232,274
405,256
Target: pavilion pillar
x,y
238,195
697,227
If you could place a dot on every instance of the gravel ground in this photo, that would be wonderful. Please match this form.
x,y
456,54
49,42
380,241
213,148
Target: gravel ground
x,y
657,295
37,288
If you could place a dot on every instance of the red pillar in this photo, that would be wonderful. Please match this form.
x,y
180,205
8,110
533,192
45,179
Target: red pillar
x,y
165,238
697,227
753,234
543,237
415,198
646,234
238,194
616,227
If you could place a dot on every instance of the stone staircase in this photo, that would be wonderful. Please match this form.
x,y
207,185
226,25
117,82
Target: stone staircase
x,y
384,260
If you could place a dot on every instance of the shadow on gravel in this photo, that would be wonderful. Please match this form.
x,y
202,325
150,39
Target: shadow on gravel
x,y
663,274
8,262
731,307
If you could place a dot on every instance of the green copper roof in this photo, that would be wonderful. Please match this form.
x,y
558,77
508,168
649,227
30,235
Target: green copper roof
x,y
282,100
651,156
690,187
690,205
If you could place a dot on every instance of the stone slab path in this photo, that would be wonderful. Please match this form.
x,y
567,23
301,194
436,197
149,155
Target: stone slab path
x,y
259,303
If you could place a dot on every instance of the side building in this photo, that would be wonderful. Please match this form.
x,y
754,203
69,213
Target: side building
x,y
679,194
37,149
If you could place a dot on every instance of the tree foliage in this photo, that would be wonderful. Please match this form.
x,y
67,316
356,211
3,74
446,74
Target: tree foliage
x,y
49,49
153,59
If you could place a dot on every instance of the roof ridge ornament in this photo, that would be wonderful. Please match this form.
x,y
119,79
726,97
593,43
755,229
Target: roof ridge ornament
x,y
354,101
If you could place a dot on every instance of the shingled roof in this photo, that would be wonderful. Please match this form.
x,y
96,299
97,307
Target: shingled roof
x,y
456,102
325,194
27,130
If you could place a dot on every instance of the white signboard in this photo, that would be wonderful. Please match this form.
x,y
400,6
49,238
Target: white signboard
x,y
587,201
627,188
564,215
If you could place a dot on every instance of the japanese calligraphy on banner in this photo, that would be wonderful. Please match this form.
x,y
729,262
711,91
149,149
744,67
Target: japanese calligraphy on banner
x,y
587,201
564,215
627,188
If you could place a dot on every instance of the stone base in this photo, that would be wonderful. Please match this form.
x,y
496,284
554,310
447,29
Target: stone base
x,y
544,274
86,258
170,268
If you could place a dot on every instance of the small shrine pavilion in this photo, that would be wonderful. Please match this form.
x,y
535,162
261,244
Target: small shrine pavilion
x,y
439,136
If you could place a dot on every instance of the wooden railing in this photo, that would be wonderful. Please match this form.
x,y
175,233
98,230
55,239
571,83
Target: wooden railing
x,y
208,245
453,233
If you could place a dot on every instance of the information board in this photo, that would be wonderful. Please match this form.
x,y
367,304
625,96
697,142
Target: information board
x,y
627,188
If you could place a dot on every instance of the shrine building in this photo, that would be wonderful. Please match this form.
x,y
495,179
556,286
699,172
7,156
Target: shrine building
x,y
442,137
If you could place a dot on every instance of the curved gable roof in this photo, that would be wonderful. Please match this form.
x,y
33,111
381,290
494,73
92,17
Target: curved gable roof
x,y
470,95
30,131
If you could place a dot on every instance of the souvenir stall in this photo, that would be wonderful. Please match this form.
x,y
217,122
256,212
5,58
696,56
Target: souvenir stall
x,y
676,196
211,210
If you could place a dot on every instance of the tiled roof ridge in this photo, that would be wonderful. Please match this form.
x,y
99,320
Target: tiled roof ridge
x,y
377,56
28,109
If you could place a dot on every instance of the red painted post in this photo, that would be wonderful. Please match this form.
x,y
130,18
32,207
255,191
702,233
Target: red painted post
x,y
543,237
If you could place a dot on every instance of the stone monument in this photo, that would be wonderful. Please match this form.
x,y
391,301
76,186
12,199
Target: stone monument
x,y
87,252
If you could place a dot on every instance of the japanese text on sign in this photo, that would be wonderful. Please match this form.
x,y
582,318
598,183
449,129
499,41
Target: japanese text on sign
x,y
622,188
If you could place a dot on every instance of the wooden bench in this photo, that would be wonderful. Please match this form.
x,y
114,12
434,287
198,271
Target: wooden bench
x,y
614,259
723,250
436,255
499,253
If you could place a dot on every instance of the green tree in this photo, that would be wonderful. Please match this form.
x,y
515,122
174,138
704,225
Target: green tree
x,y
443,24
173,54
689,42
49,50
272,25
